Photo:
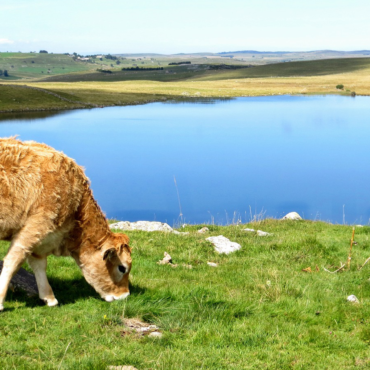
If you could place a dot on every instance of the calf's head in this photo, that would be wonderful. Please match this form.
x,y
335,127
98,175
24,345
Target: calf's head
x,y
108,268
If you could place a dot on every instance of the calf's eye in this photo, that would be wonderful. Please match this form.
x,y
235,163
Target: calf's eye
x,y
122,269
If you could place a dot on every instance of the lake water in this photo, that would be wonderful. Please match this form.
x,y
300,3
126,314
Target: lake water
x,y
232,160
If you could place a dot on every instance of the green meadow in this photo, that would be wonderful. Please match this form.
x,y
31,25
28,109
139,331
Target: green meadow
x,y
256,310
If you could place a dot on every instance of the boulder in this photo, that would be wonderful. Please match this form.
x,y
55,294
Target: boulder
x,y
292,216
145,226
223,245
142,225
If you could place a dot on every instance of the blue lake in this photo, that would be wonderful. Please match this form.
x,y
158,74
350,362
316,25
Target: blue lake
x,y
232,160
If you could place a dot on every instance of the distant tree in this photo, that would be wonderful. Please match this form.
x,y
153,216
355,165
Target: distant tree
x,y
340,87
118,62
6,74
1,72
111,57
112,65
43,51
32,61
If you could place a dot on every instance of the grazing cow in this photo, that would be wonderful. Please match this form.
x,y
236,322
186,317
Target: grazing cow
x,y
47,207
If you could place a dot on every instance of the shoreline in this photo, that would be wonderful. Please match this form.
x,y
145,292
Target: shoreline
x,y
159,99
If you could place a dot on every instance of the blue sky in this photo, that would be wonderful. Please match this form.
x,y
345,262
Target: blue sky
x,y
168,26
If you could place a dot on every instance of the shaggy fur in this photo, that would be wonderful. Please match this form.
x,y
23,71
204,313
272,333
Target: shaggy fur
x,y
47,207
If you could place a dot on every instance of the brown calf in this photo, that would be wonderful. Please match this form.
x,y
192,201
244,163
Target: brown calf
x,y
47,207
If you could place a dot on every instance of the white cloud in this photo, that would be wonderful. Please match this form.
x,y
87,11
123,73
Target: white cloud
x,y
6,41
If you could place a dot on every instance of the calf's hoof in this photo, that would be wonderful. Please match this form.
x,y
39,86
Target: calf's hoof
x,y
51,302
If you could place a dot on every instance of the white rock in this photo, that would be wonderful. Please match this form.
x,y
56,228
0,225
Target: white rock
x,y
145,226
203,230
179,232
249,230
292,216
166,260
155,334
212,264
352,298
223,245
263,233
359,226
125,367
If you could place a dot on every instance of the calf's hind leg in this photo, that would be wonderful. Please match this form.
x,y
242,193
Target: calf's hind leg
x,y
12,262
38,265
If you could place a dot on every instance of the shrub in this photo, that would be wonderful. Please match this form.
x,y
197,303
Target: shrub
x,y
6,74
340,87
43,51
104,70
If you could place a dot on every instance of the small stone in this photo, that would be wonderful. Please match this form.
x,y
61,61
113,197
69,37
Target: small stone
x,y
292,216
187,266
124,367
263,233
212,264
179,232
249,230
203,230
353,299
155,334
223,245
166,260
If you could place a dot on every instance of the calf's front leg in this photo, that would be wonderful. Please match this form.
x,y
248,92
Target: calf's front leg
x,y
38,265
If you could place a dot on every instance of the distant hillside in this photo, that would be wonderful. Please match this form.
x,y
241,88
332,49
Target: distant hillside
x,y
336,52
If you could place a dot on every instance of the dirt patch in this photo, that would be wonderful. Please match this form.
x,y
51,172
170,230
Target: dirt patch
x,y
138,328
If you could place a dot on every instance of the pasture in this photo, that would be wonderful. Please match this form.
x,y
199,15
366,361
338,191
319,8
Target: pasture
x,y
90,87
257,309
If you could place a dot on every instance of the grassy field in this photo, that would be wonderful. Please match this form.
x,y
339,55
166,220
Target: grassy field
x,y
256,310
196,81
35,65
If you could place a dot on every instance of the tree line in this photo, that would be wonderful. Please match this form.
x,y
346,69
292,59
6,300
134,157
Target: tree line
x,y
143,69
178,63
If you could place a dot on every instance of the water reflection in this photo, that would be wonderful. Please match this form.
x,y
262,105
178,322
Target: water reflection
x,y
30,116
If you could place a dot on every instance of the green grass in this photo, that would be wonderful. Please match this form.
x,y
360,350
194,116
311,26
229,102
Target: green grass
x,y
19,65
294,69
172,73
256,310
20,98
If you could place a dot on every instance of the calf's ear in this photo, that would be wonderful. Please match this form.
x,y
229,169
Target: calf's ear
x,y
109,253
124,246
